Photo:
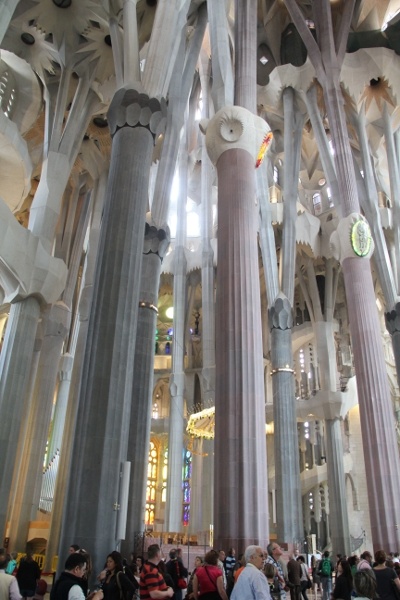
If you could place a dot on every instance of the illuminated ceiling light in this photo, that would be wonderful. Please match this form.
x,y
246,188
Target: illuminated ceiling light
x,y
322,181
263,60
169,313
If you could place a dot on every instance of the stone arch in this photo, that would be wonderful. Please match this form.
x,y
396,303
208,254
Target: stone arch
x,y
351,493
161,399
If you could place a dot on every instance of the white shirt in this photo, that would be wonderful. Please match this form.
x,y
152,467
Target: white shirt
x,y
76,593
251,585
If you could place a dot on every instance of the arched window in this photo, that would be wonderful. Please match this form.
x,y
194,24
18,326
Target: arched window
x,y
152,468
317,203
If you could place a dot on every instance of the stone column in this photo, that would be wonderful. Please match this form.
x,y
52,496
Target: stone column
x,y
102,431
240,480
15,358
353,246
156,242
177,379
78,342
30,475
287,470
7,9
64,375
338,517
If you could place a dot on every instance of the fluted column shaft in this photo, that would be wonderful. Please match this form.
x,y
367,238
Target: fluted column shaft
x,y
287,470
240,499
338,512
338,515
376,410
177,380
15,363
64,375
156,244
101,438
77,348
30,475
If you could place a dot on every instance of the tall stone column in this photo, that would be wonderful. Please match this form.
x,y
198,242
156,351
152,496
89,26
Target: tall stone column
x,y
102,430
352,238
156,242
15,357
233,138
64,375
29,475
338,516
177,380
77,347
287,470
331,401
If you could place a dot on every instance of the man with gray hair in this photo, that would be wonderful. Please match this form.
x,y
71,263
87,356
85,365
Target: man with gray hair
x,y
252,583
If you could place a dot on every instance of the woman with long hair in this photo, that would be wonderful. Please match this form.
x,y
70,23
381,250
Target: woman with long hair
x,y
115,584
344,581
386,577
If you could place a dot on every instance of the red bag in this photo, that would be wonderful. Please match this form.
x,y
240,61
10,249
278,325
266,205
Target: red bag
x,y
182,583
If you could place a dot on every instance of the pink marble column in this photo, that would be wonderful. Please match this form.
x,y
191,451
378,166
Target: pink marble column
x,y
240,492
376,410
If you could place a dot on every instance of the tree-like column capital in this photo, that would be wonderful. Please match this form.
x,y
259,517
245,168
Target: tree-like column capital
x,y
234,127
134,108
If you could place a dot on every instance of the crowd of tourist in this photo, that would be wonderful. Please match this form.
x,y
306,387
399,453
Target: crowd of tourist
x,y
254,575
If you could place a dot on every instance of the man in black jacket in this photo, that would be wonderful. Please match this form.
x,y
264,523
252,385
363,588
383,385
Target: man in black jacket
x,y
69,585
177,571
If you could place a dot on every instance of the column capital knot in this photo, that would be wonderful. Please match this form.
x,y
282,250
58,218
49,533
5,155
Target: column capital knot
x,y
156,238
352,238
235,127
132,107
281,313
392,319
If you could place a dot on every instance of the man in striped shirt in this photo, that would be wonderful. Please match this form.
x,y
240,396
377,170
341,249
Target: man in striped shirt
x,y
152,584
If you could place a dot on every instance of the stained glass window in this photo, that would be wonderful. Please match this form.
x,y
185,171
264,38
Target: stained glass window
x,y
164,477
187,474
152,468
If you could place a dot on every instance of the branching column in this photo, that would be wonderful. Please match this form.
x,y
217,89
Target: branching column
x,y
376,411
